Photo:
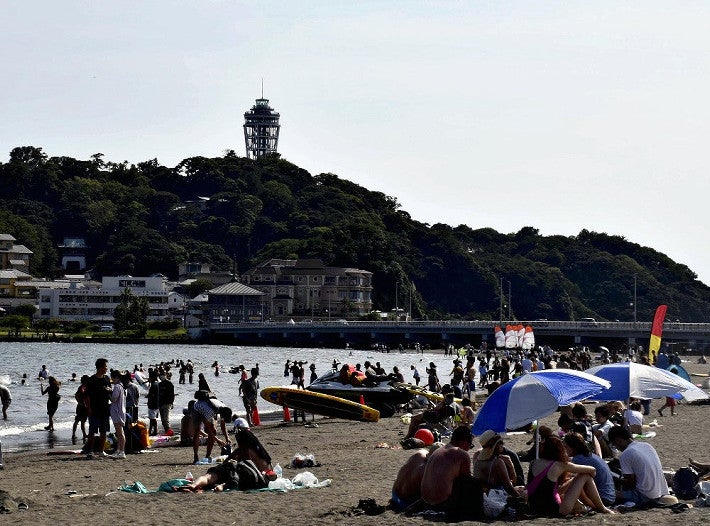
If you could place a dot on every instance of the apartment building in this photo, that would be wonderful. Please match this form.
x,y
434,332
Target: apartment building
x,y
306,288
97,304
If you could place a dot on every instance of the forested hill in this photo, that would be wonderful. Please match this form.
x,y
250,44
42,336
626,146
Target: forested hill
x,y
146,218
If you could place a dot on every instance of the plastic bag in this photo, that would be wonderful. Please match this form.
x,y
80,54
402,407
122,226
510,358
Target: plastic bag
x,y
281,483
305,479
302,461
494,502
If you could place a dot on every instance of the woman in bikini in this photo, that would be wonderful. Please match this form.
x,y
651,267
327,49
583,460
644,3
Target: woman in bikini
x,y
493,468
551,493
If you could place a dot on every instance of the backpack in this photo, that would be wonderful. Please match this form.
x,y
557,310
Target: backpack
x,y
684,483
249,476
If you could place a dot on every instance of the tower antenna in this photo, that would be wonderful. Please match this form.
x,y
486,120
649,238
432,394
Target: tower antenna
x,y
262,87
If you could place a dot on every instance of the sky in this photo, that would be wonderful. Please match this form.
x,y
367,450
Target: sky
x,y
561,116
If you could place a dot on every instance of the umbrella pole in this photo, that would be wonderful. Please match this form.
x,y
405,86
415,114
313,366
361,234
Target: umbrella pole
x,y
625,421
537,439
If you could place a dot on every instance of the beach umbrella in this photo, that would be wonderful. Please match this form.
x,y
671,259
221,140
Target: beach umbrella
x,y
634,380
534,395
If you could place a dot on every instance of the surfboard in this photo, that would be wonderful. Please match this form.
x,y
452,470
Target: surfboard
x,y
56,452
319,404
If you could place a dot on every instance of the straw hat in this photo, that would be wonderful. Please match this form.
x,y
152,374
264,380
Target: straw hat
x,y
489,440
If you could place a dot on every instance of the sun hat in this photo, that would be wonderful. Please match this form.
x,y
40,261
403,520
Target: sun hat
x,y
489,439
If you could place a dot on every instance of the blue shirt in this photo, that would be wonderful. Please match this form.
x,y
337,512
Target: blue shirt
x,y
603,478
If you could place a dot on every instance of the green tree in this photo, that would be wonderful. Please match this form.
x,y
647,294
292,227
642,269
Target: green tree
x,y
199,286
25,310
131,313
15,323
44,326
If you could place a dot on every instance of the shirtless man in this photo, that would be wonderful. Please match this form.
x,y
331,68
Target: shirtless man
x,y
447,484
406,489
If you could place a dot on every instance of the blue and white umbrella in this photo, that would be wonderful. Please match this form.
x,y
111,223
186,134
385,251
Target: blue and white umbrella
x,y
635,380
534,395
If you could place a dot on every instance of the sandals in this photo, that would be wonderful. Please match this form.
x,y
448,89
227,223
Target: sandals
x,y
680,507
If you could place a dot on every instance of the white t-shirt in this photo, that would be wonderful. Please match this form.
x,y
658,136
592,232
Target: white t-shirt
x,y
641,460
634,417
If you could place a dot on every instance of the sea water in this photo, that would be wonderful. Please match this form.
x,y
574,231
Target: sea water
x,y
27,414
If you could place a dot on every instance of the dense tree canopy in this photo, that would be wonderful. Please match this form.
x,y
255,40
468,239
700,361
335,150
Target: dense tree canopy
x,y
147,218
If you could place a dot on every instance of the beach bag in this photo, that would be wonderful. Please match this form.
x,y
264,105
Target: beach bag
x,y
249,476
685,483
703,499
494,503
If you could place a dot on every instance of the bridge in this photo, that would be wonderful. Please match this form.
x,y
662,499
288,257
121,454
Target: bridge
x,y
435,334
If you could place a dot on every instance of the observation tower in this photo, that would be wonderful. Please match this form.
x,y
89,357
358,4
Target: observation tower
x,y
261,129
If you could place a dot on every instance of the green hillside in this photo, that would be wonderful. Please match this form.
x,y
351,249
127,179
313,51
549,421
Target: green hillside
x,y
146,218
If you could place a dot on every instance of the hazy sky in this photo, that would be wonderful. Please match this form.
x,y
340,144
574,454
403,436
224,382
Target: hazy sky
x,y
556,115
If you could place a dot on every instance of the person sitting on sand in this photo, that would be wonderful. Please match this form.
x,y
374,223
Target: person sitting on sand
x,y
468,412
634,417
447,484
550,495
225,475
430,419
643,479
406,489
493,468
250,448
578,450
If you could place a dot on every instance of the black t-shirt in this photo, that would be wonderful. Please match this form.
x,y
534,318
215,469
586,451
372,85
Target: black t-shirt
x,y
99,396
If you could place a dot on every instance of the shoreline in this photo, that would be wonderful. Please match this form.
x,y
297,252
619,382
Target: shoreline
x,y
360,459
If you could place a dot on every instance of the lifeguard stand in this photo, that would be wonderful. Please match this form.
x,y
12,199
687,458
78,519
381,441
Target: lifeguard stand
x,y
261,129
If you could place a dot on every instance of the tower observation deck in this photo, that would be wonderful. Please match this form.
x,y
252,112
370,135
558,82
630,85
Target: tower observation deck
x,y
261,129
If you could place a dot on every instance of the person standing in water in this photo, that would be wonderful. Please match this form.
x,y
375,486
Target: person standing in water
x,y
5,398
53,396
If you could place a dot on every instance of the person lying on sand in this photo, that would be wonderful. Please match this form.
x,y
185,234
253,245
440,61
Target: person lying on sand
x,y
702,469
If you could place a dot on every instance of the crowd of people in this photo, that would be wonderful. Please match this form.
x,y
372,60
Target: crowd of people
x,y
591,462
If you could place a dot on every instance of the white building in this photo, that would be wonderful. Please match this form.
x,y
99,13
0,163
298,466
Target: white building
x,y
98,304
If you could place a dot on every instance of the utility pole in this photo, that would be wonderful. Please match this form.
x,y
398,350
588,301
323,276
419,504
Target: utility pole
x,y
635,309
510,300
501,299
411,291
396,298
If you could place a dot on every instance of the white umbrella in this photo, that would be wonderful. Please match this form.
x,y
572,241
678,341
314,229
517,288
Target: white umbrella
x,y
633,380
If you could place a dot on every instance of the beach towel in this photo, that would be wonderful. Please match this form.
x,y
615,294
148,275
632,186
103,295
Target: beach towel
x,y
280,485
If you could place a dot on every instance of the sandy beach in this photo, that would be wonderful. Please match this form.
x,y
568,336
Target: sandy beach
x,y
72,489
